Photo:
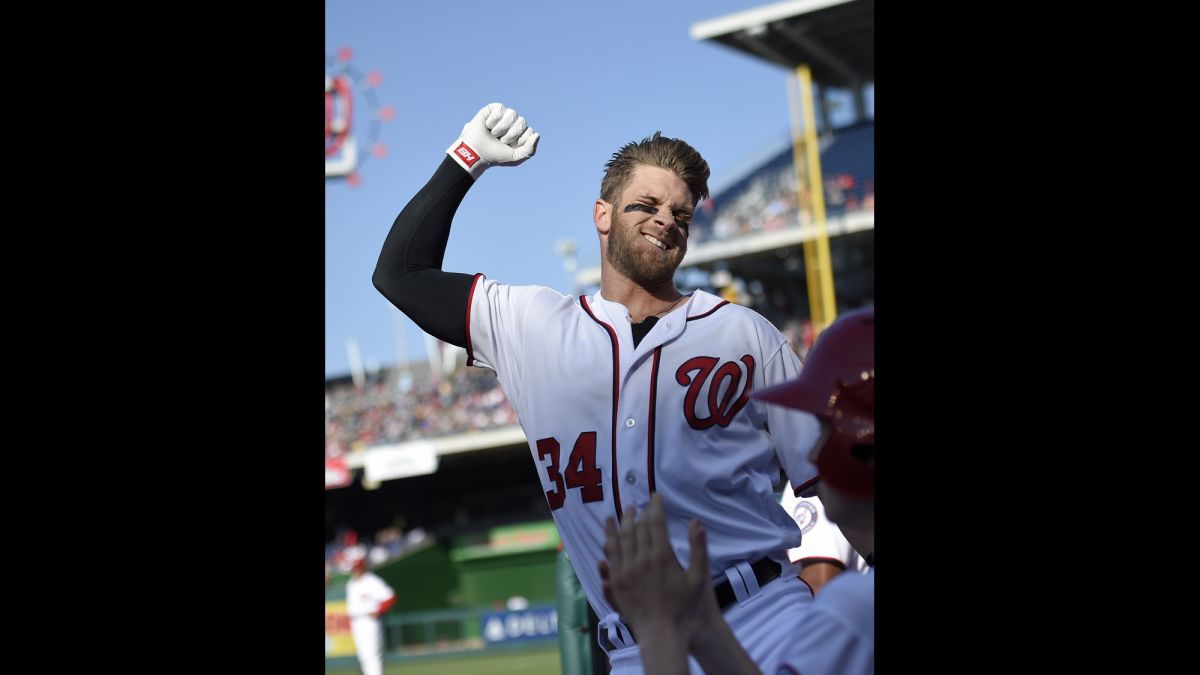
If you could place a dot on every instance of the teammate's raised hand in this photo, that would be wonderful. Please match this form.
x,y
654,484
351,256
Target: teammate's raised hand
x,y
653,593
495,136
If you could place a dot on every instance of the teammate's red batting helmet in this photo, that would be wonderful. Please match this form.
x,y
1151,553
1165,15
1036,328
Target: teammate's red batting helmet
x,y
837,383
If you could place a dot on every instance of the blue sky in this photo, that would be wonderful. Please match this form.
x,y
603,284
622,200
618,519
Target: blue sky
x,y
589,76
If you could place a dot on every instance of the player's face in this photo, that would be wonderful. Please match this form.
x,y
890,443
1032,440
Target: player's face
x,y
649,232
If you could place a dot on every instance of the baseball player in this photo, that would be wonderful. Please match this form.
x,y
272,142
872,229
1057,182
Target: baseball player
x,y
367,598
836,634
632,391
823,552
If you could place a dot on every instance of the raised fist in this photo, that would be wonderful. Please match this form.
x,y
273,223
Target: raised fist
x,y
495,136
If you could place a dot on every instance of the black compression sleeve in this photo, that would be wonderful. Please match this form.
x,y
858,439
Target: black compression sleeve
x,y
409,272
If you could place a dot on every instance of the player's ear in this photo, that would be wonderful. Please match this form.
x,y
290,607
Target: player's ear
x,y
602,216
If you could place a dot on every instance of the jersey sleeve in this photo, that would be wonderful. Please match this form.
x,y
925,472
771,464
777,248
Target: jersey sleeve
x,y
793,433
499,316
837,634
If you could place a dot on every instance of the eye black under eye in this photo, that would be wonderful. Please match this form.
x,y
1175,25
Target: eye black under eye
x,y
641,207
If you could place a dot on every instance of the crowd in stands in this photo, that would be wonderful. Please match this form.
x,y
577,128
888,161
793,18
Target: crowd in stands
x,y
768,199
389,543
395,408
800,335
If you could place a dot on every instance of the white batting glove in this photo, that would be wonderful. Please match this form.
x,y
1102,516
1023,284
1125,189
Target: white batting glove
x,y
495,136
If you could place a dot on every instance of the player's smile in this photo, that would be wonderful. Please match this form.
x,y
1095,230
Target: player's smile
x,y
658,243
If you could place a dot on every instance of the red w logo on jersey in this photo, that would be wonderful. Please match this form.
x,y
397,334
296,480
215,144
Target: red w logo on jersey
x,y
719,412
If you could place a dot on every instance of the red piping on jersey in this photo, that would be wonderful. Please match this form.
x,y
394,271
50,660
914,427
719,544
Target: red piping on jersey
x,y
612,336
470,298
701,316
650,418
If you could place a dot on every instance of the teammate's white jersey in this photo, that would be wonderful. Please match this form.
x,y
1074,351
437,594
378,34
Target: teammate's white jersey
x,y
364,595
609,423
837,634
822,539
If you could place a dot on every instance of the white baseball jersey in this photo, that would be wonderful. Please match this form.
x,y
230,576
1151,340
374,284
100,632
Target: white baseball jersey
x,y
608,423
822,538
365,593
837,634
363,596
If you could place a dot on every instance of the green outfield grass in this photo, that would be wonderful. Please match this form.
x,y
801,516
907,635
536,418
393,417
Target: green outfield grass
x,y
542,661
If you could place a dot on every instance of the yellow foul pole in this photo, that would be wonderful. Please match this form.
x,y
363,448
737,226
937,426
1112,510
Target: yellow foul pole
x,y
807,153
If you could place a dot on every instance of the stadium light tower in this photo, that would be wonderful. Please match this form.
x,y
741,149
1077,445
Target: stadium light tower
x,y
568,249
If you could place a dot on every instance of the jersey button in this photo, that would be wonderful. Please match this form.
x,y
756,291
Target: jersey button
x,y
629,422
630,478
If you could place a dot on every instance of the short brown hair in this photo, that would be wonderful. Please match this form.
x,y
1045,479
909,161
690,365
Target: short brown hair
x,y
671,154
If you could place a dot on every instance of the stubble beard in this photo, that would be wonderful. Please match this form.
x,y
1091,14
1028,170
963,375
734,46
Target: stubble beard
x,y
631,255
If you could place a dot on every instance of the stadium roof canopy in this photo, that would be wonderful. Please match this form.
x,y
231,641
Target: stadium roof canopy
x,y
836,38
